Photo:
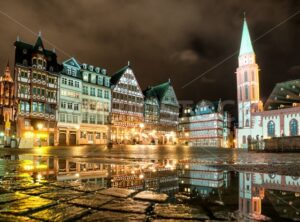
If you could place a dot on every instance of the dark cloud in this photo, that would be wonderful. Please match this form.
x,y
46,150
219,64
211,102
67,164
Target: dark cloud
x,y
162,39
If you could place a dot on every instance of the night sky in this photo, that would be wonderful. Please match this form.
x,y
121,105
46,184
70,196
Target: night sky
x,y
162,39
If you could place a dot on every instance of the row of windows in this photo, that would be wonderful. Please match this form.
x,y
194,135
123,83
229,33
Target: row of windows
x,y
43,92
95,79
92,92
127,97
68,118
69,105
91,135
36,107
95,105
94,118
128,107
70,82
247,92
128,87
69,93
293,128
38,76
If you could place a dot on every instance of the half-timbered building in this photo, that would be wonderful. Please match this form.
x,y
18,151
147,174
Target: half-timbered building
x,y
36,78
127,106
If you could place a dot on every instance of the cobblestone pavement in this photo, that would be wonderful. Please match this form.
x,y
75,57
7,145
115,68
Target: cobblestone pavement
x,y
70,201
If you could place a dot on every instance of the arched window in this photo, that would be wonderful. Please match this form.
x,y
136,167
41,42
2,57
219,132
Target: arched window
x,y
271,128
246,92
245,76
247,122
293,127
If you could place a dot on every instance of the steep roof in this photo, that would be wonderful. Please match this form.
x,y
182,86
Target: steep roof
x,y
6,76
246,44
284,95
117,75
158,90
25,51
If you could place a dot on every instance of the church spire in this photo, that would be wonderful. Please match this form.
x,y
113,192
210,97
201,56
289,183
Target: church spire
x,y
246,44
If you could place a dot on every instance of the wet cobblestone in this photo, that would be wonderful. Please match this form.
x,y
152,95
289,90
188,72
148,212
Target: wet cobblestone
x,y
112,204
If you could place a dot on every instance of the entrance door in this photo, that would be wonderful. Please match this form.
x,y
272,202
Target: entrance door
x,y
72,139
62,139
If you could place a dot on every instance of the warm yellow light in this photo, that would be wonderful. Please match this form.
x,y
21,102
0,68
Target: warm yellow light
x,y
41,135
40,126
142,125
28,135
186,134
141,176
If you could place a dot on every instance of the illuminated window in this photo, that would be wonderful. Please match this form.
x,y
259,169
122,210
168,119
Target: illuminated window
x,y
293,127
271,128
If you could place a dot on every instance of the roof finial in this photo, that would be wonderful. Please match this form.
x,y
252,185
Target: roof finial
x,y
40,33
18,38
244,14
7,63
53,50
128,63
169,80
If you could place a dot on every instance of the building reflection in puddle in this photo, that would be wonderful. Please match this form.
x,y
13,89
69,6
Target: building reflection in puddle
x,y
253,194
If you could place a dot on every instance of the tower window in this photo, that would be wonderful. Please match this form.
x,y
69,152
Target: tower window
x,y
246,92
245,76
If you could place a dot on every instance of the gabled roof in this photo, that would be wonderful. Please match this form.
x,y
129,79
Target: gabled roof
x,y
158,90
72,62
38,43
7,75
117,75
284,95
246,44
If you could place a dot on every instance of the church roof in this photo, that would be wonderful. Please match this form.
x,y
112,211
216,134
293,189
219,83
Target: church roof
x,y
284,95
157,91
246,44
6,76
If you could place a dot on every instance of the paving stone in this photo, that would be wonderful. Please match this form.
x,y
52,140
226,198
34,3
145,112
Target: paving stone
x,y
25,186
92,201
25,205
62,195
40,190
174,220
151,196
88,187
127,205
109,216
9,197
117,192
179,211
64,184
12,218
60,212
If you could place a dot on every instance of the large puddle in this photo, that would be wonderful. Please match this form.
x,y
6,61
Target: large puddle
x,y
149,187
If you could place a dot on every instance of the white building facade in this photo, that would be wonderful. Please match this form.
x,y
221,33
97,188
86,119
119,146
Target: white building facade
x,y
279,116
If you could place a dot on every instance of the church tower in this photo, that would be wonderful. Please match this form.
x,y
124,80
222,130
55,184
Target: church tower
x,y
247,75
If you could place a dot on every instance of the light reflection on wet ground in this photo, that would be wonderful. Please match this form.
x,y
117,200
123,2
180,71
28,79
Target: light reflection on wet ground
x,y
199,183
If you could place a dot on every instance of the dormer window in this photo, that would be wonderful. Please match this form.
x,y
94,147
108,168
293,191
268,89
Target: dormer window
x,y
97,69
69,71
91,68
51,68
103,71
84,66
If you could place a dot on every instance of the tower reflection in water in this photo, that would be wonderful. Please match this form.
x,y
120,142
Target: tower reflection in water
x,y
280,193
254,195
